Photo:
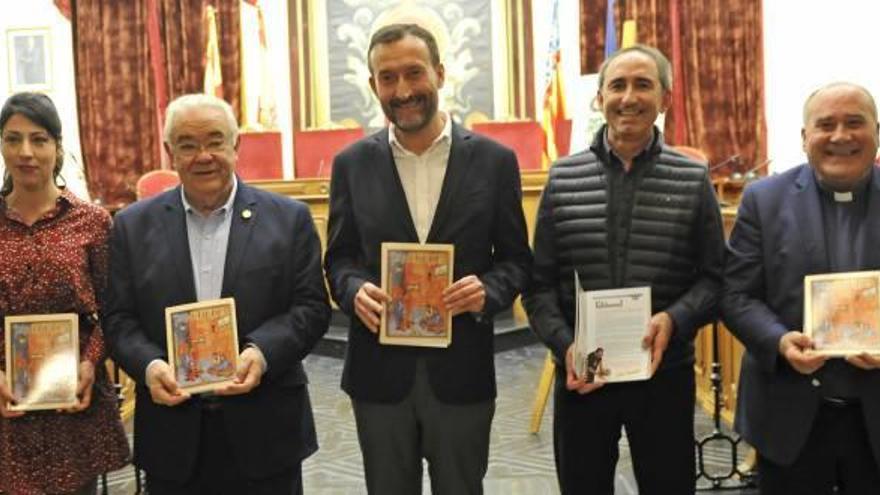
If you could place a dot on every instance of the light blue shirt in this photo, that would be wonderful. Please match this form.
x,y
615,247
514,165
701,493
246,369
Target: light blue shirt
x,y
208,237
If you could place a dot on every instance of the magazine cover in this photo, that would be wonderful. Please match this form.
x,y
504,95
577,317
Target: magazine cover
x,y
415,276
609,326
202,344
42,360
842,312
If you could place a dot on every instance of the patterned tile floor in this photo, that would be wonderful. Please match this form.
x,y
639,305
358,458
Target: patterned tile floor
x,y
520,463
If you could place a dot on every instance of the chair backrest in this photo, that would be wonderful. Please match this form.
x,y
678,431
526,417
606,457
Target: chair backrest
x,y
155,182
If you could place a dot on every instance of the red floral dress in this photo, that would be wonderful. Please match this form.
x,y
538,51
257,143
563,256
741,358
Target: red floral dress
x,y
59,265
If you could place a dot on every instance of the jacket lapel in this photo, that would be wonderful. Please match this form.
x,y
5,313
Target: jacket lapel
x,y
456,169
386,173
245,214
808,212
178,242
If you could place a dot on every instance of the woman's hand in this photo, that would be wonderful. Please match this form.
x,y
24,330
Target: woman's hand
x,y
7,398
84,384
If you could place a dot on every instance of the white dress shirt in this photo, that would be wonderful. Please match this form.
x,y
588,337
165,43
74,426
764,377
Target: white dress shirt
x,y
422,176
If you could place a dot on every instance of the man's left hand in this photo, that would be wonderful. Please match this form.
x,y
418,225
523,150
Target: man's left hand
x,y
248,373
466,294
864,361
657,338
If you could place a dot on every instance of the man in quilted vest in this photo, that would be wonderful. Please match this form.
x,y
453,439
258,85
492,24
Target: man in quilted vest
x,y
628,212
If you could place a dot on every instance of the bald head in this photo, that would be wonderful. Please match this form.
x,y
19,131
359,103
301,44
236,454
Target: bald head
x,y
870,105
840,135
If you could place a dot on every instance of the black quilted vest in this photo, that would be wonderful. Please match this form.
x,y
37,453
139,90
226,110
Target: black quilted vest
x,y
661,250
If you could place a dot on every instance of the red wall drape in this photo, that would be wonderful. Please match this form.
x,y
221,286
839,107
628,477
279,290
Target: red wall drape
x,y
132,57
115,96
721,70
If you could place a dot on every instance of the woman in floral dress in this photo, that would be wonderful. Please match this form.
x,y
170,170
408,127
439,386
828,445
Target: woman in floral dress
x,y
53,259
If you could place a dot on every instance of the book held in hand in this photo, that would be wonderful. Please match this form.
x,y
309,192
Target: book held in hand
x,y
842,312
42,360
415,276
202,344
609,327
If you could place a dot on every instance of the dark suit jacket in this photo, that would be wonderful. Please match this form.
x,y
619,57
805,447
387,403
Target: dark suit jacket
x,y
777,240
479,211
273,270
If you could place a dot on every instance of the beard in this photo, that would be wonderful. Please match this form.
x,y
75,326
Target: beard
x,y
416,121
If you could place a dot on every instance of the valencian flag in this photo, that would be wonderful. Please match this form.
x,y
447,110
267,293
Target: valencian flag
x,y
554,95
213,75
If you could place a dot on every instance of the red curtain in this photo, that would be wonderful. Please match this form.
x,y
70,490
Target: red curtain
x,y
133,57
229,31
183,37
722,70
115,96
184,44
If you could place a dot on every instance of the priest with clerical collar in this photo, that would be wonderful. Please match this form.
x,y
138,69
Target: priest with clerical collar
x,y
814,420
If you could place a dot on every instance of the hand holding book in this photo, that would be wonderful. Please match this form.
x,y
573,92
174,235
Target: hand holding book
x,y
796,348
248,374
163,387
864,361
657,338
572,382
467,294
368,305
85,380
6,398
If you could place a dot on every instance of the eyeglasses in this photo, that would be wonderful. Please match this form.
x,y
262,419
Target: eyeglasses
x,y
189,149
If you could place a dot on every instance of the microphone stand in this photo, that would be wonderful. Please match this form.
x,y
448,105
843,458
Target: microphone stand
x,y
735,158
720,480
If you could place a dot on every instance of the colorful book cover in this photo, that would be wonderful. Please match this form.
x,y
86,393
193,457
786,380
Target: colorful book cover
x,y
415,276
42,356
202,344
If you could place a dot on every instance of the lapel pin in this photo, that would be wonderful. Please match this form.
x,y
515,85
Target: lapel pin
x,y
246,214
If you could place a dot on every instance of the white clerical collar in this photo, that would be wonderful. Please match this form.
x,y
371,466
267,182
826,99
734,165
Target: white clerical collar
x,y
843,197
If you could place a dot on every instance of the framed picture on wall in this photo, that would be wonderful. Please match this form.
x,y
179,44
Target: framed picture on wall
x,y
484,45
30,59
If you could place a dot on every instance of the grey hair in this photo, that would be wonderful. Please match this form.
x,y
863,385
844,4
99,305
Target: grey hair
x,y
664,68
196,100
840,84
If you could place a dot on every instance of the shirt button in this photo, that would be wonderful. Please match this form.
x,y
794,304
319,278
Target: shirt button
x,y
815,382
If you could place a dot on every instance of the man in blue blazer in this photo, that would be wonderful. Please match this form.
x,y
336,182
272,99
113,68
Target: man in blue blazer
x,y
424,179
217,237
815,422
